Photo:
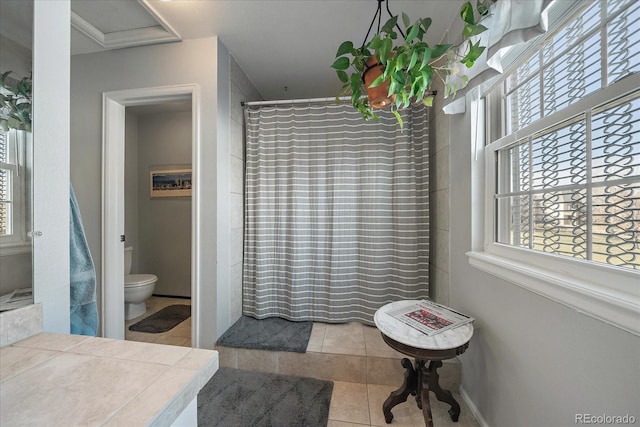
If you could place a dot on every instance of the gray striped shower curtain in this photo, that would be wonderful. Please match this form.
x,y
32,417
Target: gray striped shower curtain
x,y
336,212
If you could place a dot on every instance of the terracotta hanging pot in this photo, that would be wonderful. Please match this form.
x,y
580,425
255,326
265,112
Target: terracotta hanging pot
x,y
378,96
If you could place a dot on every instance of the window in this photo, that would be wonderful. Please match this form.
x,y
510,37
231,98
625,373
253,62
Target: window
x,y
573,189
6,175
15,158
562,209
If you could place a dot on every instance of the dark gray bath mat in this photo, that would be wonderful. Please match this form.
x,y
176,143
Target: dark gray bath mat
x,y
237,398
273,334
163,320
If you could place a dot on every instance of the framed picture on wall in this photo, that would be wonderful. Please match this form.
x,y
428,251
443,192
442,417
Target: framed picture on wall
x,y
170,183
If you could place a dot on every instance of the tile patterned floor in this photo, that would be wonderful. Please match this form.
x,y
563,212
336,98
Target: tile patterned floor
x,y
354,356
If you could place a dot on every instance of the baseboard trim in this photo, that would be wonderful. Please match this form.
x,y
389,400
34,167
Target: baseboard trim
x,y
473,408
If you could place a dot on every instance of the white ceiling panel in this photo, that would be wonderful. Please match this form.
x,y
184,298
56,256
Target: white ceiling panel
x,y
287,43
110,16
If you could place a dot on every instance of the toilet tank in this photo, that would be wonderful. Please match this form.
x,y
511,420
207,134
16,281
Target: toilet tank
x,y
128,253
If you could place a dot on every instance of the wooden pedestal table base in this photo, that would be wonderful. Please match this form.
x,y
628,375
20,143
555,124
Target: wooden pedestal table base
x,y
418,382
421,377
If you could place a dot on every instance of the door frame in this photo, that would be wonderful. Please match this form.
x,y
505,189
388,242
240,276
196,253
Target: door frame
x,y
113,147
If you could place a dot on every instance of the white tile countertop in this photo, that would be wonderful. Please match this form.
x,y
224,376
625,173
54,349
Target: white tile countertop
x,y
58,379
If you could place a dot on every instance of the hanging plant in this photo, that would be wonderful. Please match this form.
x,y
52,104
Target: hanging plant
x,y
395,75
15,111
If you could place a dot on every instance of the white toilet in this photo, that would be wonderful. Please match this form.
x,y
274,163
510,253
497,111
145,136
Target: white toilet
x,y
137,288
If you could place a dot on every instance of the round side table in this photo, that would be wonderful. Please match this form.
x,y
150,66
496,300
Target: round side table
x,y
428,352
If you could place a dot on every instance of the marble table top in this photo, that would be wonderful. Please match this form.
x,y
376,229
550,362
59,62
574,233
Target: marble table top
x,y
405,334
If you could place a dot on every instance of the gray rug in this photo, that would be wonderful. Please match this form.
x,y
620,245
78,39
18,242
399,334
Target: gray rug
x,y
237,398
165,319
273,334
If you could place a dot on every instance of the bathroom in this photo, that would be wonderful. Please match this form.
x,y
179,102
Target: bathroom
x,y
501,352
157,224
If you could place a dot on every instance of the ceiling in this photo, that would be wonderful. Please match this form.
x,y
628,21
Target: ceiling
x,y
278,43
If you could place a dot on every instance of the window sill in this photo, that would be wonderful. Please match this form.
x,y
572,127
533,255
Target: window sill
x,y
620,309
17,248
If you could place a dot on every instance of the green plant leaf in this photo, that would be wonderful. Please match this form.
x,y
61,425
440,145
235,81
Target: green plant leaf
x,y
426,23
401,61
393,87
439,50
398,118
473,30
341,64
375,42
466,13
378,81
390,68
345,47
388,26
399,77
414,60
356,84
385,49
415,28
356,90
475,50
428,101
427,76
342,76
405,100
359,63
345,90
421,92
426,57
405,20
24,87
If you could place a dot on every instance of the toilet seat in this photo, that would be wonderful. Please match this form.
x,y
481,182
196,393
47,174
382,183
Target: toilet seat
x,y
136,280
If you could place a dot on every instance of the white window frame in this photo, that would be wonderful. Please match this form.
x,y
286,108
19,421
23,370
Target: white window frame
x,y
19,241
605,292
601,291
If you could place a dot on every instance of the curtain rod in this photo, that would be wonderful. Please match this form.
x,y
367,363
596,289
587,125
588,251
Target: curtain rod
x,y
301,101
294,101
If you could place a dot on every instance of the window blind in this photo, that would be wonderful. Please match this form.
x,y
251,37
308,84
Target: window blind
x,y
569,182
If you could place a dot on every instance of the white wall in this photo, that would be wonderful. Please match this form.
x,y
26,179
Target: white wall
x,y
131,185
187,62
51,87
224,182
164,224
439,194
531,361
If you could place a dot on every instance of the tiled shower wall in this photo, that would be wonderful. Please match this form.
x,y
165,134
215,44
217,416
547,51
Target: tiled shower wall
x,y
439,201
242,90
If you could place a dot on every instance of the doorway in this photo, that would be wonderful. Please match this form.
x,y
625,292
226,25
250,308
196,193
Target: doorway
x,y
113,195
